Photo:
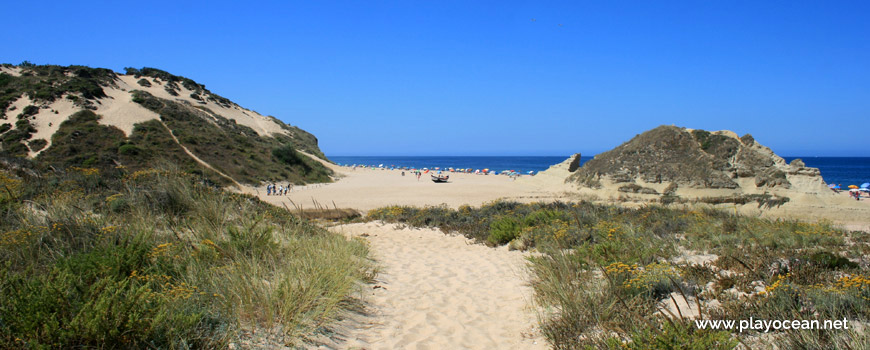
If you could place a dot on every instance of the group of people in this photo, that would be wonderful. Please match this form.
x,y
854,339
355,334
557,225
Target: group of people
x,y
273,190
415,173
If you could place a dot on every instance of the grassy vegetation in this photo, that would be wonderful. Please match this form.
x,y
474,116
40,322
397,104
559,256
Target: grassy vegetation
x,y
606,274
95,258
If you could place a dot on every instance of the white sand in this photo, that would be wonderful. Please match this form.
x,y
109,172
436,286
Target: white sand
x,y
120,111
13,71
443,292
366,189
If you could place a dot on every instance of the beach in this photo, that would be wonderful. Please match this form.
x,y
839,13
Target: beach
x,y
436,290
365,189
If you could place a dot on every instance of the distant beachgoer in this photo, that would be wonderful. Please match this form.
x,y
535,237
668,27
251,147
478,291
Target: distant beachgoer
x,y
268,190
403,173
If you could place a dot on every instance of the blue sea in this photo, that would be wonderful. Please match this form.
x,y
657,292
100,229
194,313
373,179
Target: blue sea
x,y
837,170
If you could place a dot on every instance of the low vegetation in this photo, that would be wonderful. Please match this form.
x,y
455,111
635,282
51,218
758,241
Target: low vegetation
x,y
612,277
111,258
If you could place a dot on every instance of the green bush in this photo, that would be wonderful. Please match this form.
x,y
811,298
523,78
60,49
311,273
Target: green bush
x,y
129,150
287,154
833,262
37,145
504,230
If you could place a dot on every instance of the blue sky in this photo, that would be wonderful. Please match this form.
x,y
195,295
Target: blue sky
x,y
446,77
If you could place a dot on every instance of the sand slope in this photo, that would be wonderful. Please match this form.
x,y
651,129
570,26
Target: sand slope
x,y
443,292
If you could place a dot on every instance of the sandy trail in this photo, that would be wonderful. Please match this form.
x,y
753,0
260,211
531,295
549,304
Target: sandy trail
x,y
443,292
434,291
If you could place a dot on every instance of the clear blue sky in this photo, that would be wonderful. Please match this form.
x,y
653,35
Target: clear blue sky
x,y
443,77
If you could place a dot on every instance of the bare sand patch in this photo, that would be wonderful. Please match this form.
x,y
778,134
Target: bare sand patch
x,y
437,291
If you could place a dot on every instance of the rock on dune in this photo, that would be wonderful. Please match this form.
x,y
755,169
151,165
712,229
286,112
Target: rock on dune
x,y
668,158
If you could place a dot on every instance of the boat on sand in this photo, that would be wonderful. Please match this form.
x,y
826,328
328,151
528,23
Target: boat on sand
x,y
440,178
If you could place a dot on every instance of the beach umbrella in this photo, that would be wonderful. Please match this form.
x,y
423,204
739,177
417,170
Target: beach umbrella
x,y
531,172
831,185
865,185
853,187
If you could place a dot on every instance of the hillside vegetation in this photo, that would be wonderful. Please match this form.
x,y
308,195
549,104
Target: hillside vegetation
x,y
691,158
85,139
100,257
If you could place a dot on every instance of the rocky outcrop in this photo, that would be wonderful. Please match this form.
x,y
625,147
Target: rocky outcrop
x,y
699,159
574,163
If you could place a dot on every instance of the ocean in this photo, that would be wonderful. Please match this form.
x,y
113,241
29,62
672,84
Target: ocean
x,y
838,170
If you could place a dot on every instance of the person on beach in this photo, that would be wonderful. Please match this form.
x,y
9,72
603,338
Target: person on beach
x,y
268,190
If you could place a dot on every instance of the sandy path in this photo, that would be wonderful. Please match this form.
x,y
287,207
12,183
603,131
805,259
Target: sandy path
x,y
197,159
443,292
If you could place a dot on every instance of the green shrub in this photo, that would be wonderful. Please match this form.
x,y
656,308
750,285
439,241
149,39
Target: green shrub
x,y
30,110
37,145
504,230
833,262
129,150
287,154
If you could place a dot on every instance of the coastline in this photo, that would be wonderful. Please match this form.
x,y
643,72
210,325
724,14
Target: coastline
x,y
364,189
